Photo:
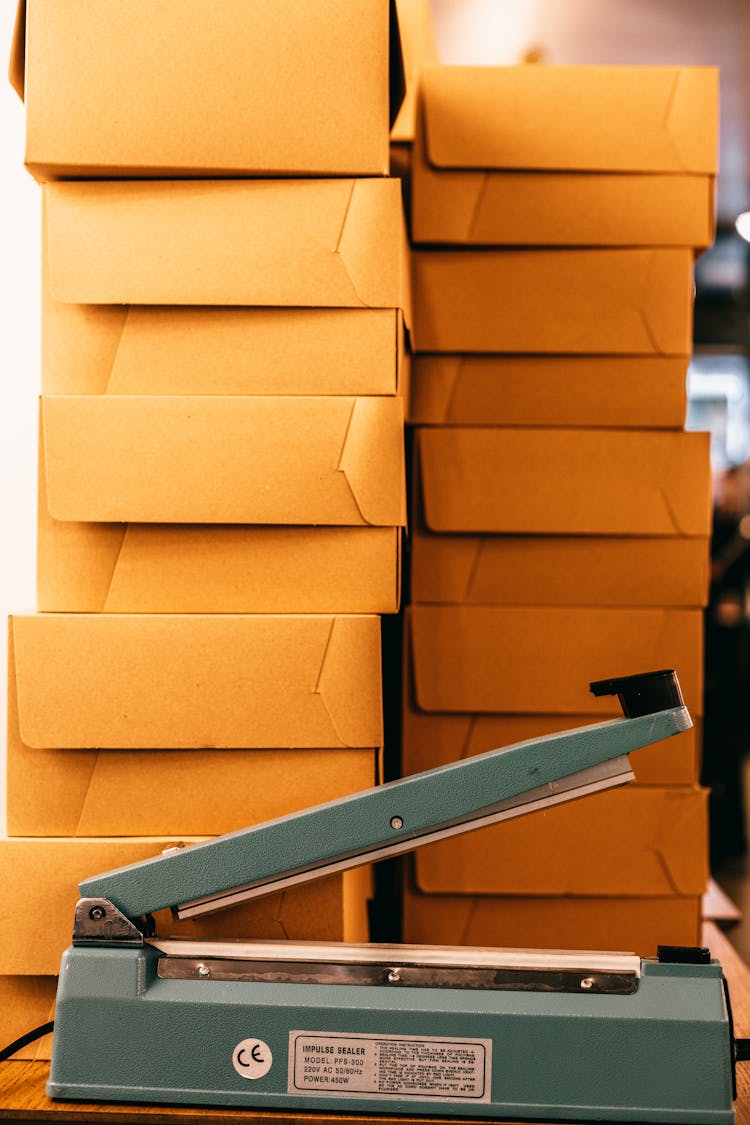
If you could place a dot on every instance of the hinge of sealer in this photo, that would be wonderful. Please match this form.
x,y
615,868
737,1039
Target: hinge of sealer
x,y
99,922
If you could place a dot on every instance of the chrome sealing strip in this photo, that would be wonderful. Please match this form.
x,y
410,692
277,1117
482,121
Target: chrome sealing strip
x,y
388,974
448,956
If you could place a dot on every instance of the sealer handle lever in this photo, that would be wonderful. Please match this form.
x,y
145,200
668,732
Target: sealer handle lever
x,y
643,694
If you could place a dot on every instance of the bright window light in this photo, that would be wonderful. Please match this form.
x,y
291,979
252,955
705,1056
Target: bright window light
x,y
719,401
742,225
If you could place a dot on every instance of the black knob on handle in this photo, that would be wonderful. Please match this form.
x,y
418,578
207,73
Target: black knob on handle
x,y
643,694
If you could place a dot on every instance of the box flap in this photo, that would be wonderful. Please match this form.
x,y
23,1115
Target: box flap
x,y
638,841
224,459
17,63
334,243
541,659
643,392
606,118
559,570
591,301
204,792
187,681
559,481
239,351
179,568
512,207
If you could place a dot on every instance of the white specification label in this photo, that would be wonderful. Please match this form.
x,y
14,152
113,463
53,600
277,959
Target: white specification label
x,y
388,1066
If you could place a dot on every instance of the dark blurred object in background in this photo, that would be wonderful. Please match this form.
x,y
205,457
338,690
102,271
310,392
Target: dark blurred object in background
x,y
727,695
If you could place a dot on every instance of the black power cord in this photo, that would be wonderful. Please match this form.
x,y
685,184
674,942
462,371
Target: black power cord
x,y
29,1037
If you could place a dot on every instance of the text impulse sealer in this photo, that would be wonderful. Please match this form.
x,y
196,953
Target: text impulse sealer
x,y
497,1033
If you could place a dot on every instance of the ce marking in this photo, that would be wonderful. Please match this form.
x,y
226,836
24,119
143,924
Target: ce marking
x,y
252,1058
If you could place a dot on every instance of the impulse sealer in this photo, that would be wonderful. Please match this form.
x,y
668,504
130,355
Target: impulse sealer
x,y
393,1029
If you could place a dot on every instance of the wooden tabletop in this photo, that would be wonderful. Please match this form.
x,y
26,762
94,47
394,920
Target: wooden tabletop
x,y
22,1096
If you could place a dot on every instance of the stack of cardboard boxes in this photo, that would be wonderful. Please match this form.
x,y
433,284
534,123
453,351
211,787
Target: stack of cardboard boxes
x,y
561,512
221,484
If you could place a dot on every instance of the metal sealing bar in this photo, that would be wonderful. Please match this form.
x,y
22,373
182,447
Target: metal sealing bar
x,y
439,956
388,975
386,820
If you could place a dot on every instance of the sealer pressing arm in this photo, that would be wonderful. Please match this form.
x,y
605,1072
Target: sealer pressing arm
x,y
484,1032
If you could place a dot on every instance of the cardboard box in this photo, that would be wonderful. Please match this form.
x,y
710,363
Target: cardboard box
x,y
642,840
641,392
40,879
630,924
224,459
603,118
296,288
502,208
144,349
565,481
567,156
559,570
592,301
199,89
430,740
164,792
179,568
278,243
188,681
27,1002
541,659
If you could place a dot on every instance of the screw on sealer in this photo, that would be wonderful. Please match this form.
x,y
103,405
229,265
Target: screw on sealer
x,y
203,971
587,983
96,913
397,822
394,976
